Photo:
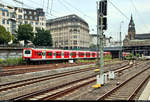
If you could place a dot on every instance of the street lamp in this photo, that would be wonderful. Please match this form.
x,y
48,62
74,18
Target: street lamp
x,y
120,42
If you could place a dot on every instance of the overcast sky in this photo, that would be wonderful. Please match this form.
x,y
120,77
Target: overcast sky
x,y
86,9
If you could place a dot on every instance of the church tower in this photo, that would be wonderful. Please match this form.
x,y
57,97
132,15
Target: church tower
x,y
131,29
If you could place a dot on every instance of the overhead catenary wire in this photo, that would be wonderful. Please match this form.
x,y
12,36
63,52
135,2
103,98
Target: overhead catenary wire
x,y
43,3
47,6
51,7
69,4
118,9
64,5
141,19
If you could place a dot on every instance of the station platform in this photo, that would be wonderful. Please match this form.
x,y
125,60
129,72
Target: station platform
x,y
146,93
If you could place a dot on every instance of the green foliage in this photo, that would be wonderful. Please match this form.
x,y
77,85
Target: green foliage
x,y
137,55
5,36
11,61
107,57
42,38
92,46
85,61
1,61
129,57
25,32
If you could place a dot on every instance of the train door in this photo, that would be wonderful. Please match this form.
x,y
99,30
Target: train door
x,y
43,54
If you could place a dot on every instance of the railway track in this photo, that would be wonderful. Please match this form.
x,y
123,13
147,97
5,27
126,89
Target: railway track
x,y
128,89
15,71
4,87
65,88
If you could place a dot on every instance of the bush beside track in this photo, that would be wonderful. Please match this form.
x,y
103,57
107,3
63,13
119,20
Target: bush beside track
x,y
12,61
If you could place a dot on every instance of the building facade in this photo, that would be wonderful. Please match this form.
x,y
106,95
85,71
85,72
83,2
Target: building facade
x,y
69,32
5,15
136,43
12,17
107,40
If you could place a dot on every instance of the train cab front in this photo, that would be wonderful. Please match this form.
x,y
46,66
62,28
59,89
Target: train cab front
x,y
27,54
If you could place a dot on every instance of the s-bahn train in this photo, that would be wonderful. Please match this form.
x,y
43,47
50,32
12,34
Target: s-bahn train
x,y
33,54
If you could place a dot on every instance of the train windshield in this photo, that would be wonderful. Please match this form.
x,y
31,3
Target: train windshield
x,y
27,51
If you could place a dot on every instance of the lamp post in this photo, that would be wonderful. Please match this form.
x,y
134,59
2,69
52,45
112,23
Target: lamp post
x,y
120,42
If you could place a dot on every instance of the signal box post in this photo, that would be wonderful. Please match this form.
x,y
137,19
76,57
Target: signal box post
x,y
101,25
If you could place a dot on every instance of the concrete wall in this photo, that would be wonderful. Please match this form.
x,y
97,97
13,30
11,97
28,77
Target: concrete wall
x,y
10,52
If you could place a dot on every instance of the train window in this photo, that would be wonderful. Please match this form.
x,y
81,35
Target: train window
x,y
73,54
36,53
66,54
49,54
58,54
81,54
87,54
39,53
27,51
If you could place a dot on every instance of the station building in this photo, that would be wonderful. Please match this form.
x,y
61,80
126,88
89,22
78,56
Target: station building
x,y
136,43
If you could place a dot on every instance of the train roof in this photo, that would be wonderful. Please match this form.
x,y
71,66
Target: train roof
x,y
57,49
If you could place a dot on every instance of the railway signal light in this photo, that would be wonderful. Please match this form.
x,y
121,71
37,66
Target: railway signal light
x,y
103,13
104,23
103,7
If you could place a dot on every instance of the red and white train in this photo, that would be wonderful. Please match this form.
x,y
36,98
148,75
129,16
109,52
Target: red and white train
x,y
33,54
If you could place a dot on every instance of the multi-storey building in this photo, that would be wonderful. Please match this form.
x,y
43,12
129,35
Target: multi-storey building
x,y
5,15
29,16
69,32
12,17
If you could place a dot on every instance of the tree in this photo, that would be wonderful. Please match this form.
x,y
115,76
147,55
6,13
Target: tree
x,y
93,46
25,32
42,38
5,36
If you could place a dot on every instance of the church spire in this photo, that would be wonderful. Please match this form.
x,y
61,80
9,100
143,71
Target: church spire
x,y
131,29
131,21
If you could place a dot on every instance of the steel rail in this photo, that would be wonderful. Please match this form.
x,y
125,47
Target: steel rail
x,y
116,88
54,88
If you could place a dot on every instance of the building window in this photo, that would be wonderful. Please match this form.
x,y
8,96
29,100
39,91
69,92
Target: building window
x,y
36,18
75,31
75,42
26,17
26,22
3,21
7,14
3,13
20,22
7,21
20,16
20,10
31,17
25,12
31,23
34,13
75,36
30,12
36,23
